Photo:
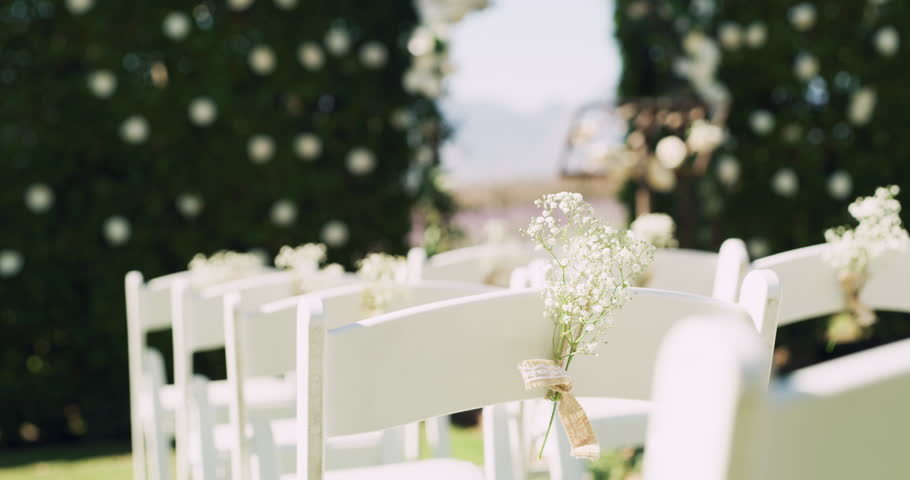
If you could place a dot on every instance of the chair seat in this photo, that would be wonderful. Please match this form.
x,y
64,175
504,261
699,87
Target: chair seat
x,y
284,434
348,451
258,391
617,422
437,469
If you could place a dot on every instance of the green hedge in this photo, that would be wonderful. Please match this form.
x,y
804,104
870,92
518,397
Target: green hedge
x,y
813,134
180,187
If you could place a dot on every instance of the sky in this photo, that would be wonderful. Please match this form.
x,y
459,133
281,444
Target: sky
x,y
521,68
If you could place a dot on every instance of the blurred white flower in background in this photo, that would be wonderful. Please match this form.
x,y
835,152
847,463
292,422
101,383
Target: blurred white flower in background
x,y
401,119
659,178
756,35
334,233
337,41
437,12
307,146
840,185
189,205
762,122
373,55
805,67
802,16
887,41
11,262
360,161
203,111
310,55
862,106
705,137
176,26
671,151
260,148
238,5
421,42
424,156
262,60
117,230
286,4
102,83
39,198
728,170
758,247
700,68
659,229
283,213
78,7
730,35
134,129
785,182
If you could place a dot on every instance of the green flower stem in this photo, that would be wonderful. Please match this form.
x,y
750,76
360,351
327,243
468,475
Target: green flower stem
x,y
553,412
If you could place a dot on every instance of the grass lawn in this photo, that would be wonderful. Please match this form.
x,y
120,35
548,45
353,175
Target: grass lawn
x,y
112,462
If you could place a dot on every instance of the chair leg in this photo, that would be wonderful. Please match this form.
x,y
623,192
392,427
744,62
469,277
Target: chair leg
x,y
563,466
438,436
201,431
156,440
137,440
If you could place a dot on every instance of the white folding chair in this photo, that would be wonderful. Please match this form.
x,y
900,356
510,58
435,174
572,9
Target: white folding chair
x,y
198,326
813,289
622,422
148,309
462,354
261,343
714,420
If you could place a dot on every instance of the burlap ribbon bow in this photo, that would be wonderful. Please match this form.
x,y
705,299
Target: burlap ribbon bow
x,y
549,374
852,284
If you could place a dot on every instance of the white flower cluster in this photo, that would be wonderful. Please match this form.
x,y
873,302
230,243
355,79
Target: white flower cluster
x,y
879,230
306,263
222,266
593,265
383,272
700,68
430,66
658,229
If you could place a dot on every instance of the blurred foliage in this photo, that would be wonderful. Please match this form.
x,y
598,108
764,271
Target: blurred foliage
x,y
812,132
63,371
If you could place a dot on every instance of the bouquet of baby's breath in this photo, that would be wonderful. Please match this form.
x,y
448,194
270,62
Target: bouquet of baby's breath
x,y
307,263
383,273
223,266
850,251
588,278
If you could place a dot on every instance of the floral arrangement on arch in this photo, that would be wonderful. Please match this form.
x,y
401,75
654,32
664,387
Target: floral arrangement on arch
x,y
591,267
851,251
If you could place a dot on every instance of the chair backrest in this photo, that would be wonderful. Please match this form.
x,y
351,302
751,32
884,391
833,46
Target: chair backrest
x,y
476,264
713,419
265,337
149,303
262,341
462,354
813,289
701,273
199,313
